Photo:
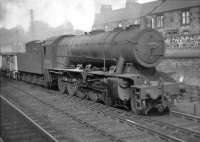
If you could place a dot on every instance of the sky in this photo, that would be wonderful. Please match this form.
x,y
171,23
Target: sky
x,y
80,13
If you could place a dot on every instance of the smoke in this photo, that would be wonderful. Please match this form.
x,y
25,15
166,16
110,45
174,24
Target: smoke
x,y
2,12
17,12
80,13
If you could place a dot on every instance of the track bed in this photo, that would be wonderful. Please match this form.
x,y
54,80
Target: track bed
x,y
18,127
89,121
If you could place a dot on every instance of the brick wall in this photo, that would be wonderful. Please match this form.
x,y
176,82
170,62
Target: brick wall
x,y
189,68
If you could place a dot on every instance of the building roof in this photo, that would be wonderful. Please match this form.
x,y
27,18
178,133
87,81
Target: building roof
x,y
139,10
134,12
171,5
148,8
117,15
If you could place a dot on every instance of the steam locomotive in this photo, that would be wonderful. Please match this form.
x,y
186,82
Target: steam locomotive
x,y
117,68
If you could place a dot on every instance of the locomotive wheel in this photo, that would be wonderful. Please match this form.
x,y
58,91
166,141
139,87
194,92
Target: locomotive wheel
x,y
71,89
80,94
22,77
19,77
93,96
133,104
107,99
61,86
29,78
34,79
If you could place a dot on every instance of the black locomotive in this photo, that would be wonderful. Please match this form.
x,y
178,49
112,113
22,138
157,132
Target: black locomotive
x,y
115,68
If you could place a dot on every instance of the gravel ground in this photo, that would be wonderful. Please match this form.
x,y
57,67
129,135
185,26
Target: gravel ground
x,y
188,107
70,128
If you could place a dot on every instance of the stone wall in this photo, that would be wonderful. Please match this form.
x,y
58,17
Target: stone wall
x,y
172,22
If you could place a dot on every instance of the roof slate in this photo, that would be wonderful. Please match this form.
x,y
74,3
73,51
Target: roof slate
x,y
117,15
135,12
148,8
140,10
171,5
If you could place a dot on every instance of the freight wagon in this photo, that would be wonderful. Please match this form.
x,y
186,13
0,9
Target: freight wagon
x,y
8,65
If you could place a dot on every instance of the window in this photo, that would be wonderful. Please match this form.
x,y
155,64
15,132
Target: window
x,y
153,23
44,50
106,28
199,15
136,22
159,21
185,18
171,19
120,25
149,23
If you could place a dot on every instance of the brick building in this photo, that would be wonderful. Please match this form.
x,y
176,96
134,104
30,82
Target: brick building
x,y
133,14
178,20
168,16
177,17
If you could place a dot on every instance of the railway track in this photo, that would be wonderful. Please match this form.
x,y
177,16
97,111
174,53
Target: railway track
x,y
86,122
16,126
176,126
168,127
186,116
160,126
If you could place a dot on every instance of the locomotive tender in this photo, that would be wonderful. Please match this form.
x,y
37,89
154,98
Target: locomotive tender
x,y
116,68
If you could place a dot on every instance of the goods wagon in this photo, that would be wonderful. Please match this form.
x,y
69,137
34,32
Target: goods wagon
x,y
9,65
116,68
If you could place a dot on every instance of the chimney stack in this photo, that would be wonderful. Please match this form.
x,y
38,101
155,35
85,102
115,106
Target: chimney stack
x,y
32,29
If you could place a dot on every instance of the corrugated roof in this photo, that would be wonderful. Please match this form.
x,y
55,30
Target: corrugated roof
x,y
170,5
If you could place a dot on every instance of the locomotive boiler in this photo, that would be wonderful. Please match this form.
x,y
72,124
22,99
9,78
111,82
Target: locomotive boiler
x,y
141,47
116,68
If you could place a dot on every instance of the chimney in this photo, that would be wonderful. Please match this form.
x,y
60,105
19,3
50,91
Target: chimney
x,y
131,3
32,28
106,8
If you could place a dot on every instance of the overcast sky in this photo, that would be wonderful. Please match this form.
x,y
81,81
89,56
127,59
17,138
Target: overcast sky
x,y
54,12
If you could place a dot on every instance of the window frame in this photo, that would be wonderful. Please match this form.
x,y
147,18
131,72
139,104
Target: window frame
x,y
159,21
185,17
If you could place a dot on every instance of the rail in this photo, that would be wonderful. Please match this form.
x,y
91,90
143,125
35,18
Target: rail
x,y
42,131
187,116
